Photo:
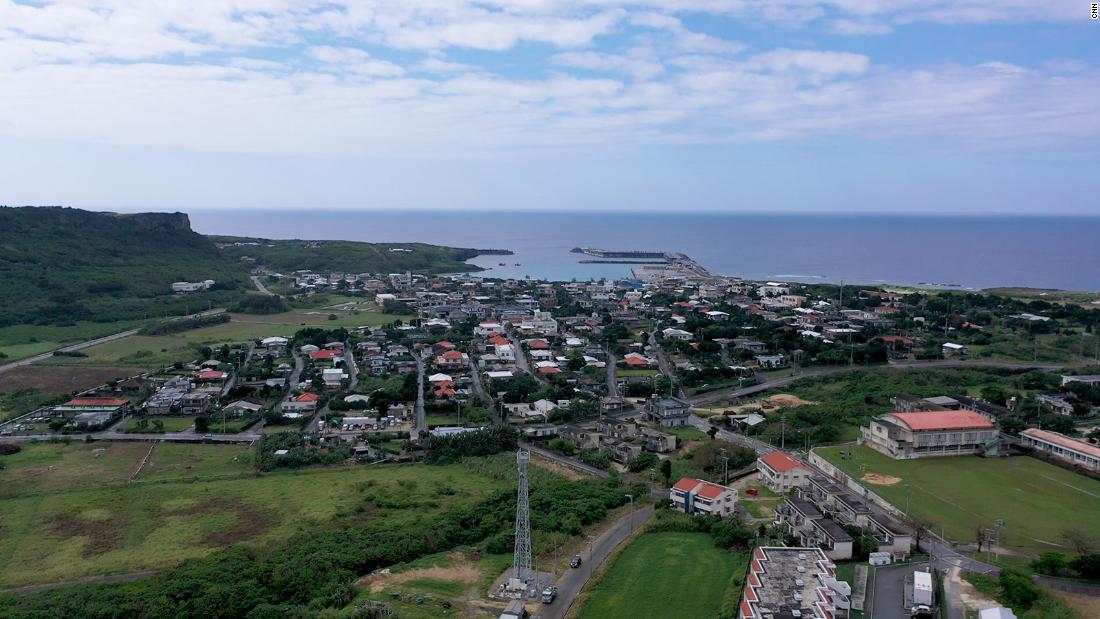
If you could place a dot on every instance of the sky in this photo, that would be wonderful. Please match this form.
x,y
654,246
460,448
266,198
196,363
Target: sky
x,y
937,106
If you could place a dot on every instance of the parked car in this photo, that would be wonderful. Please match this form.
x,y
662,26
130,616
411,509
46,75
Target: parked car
x,y
576,562
548,595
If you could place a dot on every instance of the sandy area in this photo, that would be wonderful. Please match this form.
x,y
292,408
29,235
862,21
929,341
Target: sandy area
x,y
460,570
1087,605
881,479
776,402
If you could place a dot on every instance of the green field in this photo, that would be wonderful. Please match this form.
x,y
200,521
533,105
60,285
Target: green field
x,y
61,521
147,351
659,572
171,424
20,341
189,460
1038,501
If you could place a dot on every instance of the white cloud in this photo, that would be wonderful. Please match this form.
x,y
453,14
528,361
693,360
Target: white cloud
x,y
638,68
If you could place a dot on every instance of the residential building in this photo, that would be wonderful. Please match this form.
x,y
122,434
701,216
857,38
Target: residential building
x,y
931,433
695,496
785,583
668,412
677,334
1080,453
781,472
1090,379
799,517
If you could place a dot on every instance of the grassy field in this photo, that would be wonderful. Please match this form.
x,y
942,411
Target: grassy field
x,y
1038,501
687,433
147,351
662,571
188,461
171,424
61,521
52,381
18,341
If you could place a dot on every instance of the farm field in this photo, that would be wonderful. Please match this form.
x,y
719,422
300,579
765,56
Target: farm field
x,y
19,341
69,529
189,460
53,381
659,571
171,424
1038,501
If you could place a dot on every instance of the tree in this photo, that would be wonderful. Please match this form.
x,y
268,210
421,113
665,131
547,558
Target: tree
x,y
1087,566
666,471
202,423
1081,542
1057,423
642,462
1018,590
1012,425
1051,564
922,529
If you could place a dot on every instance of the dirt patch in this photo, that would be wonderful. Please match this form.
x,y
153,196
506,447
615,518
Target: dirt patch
x,y
559,469
459,570
60,380
103,535
971,597
881,479
250,521
1086,605
772,403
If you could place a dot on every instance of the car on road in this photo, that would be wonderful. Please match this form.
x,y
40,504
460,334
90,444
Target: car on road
x,y
207,437
548,595
576,562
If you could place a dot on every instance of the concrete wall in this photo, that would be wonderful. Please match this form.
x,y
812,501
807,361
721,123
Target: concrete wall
x,y
852,484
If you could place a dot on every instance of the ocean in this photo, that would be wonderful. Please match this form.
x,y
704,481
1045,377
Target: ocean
x,y
968,252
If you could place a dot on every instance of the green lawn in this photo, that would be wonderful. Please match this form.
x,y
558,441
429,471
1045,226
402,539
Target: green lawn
x,y
1038,501
171,424
72,529
187,460
687,433
662,571
18,341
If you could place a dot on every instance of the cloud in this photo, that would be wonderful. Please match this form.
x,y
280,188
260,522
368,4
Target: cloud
x,y
638,68
353,60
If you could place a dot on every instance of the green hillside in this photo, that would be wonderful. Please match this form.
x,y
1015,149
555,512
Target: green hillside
x,y
348,256
63,265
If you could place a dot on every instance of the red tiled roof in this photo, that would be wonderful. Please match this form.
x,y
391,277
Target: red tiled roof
x,y
890,339
686,484
538,344
445,344
549,370
711,491
445,393
453,354
96,402
308,397
781,462
944,420
325,354
635,361
212,375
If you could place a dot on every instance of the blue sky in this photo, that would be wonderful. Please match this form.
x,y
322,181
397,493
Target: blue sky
x,y
957,106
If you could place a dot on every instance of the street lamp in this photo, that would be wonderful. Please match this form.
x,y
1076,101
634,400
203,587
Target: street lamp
x,y
631,497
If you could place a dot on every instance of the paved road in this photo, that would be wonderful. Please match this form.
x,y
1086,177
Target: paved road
x,y
480,391
111,435
759,447
521,358
662,361
295,378
93,580
572,582
421,419
259,286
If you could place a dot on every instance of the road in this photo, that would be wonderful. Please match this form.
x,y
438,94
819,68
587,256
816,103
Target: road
x,y
612,380
723,395
89,343
421,420
572,582
260,286
759,447
112,435
521,358
479,391
295,378
662,361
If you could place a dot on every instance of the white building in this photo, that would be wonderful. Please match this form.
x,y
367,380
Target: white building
x,y
677,334
695,496
488,328
781,472
1085,455
783,581
192,286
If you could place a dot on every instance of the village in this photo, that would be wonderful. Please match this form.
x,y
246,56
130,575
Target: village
x,y
673,378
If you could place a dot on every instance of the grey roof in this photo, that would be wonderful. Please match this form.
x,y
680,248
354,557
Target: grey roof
x,y
833,530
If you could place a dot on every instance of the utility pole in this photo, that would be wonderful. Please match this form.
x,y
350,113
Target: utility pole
x,y
725,466
521,565
631,497
783,431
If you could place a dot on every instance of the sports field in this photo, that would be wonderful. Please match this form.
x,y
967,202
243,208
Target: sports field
x,y
665,574
69,512
1037,501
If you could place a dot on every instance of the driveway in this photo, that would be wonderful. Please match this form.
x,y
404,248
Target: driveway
x,y
890,591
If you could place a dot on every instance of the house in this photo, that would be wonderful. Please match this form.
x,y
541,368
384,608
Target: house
x,y
695,496
275,345
181,287
785,583
635,360
242,408
505,352
296,406
770,361
930,433
1079,453
195,403
541,322
668,412
781,472
799,518
950,349
333,377
677,334
1092,379
716,316
454,359
749,344
1056,402
486,329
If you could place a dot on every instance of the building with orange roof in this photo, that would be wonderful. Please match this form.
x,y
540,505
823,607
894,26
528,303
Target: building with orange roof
x,y
781,472
454,359
695,496
1080,453
930,433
